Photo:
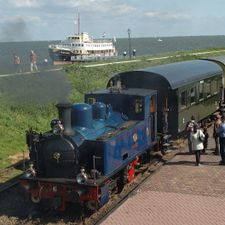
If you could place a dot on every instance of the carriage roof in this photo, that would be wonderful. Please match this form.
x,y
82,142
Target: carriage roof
x,y
172,75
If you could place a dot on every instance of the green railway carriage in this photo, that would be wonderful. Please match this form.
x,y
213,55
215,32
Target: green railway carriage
x,y
184,89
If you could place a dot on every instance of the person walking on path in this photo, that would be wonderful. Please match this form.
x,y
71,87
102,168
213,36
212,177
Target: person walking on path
x,y
17,63
205,142
33,61
221,133
197,138
216,125
189,129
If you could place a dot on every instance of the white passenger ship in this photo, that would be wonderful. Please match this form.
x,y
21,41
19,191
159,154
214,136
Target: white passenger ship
x,y
82,47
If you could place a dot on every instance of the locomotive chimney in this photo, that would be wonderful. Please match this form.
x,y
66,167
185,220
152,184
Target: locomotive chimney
x,y
64,110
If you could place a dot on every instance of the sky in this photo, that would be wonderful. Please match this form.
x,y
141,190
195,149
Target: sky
x,y
35,20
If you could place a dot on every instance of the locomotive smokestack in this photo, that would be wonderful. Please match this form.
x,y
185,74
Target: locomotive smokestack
x,y
64,110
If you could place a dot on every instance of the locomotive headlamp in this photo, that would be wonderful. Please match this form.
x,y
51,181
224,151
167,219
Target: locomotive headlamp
x,y
55,189
82,177
58,128
54,122
30,172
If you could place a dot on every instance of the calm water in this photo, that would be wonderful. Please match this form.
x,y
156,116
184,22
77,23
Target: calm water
x,y
143,46
44,87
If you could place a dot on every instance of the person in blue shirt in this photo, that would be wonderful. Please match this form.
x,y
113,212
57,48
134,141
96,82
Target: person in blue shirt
x,y
221,133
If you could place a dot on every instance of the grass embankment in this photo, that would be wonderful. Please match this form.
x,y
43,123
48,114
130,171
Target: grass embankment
x,y
15,119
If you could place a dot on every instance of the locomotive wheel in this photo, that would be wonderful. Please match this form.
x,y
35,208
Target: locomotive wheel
x,y
35,199
91,206
125,175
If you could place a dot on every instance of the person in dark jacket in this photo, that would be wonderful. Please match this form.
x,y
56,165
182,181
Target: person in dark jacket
x,y
221,133
216,125
205,141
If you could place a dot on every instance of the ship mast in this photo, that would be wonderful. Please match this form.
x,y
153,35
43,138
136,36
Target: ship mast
x,y
78,23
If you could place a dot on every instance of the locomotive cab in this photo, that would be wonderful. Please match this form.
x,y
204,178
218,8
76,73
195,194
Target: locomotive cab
x,y
125,142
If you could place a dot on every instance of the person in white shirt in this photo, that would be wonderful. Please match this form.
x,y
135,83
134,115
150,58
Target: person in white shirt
x,y
197,138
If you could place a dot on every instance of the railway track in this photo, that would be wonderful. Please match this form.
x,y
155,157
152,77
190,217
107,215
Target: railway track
x,y
9,177
11,194
8,185
129,190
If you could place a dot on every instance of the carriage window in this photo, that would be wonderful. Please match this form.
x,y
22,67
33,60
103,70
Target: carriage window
x,y
214,87
183,99
219,85
201,91
208,89
192,95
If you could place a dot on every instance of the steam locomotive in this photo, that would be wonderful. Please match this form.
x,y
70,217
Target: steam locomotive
x,y
93,148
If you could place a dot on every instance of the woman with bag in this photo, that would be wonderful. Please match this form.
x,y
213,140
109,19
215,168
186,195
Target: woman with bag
x,y
197,138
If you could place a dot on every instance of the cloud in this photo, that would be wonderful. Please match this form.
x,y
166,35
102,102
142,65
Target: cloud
x,y
112,7
123,9
24,3
164,16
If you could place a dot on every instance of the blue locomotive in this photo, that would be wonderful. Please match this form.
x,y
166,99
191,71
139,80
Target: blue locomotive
x,y
92,148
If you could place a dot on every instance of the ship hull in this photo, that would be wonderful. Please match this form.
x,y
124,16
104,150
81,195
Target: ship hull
x,y
68,56
60,55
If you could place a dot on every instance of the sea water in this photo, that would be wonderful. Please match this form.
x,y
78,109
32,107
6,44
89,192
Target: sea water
x,y
143,46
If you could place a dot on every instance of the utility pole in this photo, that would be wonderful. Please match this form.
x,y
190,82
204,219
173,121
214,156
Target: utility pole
x,y
129,40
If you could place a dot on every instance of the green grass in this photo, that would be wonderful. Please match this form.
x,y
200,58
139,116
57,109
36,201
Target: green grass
x,y
14,122
15,119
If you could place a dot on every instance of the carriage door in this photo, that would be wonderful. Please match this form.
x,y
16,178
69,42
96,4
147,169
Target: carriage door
x,y
165,114
153,118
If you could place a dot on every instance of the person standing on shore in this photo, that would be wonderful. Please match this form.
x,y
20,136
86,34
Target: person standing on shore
x,y
33,61
17,63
